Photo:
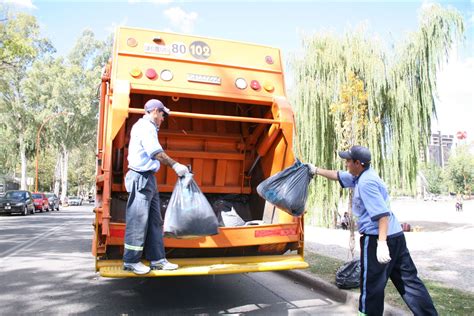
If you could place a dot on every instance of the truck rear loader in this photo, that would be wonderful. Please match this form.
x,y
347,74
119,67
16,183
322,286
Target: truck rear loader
x,y
230,122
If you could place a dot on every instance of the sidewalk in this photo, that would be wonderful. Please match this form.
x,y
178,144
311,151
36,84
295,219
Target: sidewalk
x,y
442,251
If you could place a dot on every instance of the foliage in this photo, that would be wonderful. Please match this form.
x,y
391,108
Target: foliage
x,y
37,89
81,172
460,170
435,179
400,89
22,45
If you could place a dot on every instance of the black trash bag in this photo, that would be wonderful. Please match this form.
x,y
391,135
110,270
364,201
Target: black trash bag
x,y
288,189
348,275
189,214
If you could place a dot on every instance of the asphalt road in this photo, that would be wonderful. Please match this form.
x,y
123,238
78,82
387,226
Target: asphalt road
x,y
46,268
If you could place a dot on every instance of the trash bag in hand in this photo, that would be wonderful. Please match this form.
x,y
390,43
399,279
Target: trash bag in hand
x,y
288,189
189,214
348,275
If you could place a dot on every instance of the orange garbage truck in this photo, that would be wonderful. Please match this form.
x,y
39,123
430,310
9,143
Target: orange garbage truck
x,y
230,121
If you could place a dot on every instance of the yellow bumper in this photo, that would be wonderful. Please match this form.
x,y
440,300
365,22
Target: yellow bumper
x,y
207,266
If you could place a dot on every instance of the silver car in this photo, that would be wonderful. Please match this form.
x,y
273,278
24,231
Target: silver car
x,y
74,200
53,201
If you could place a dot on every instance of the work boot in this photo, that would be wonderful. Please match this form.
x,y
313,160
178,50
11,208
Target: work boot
x,y
163,264
137,268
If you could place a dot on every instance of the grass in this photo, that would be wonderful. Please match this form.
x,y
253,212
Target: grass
x,y
448,301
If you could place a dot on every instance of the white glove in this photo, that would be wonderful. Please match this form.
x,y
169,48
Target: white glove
x,y
383,254
312,169
180,169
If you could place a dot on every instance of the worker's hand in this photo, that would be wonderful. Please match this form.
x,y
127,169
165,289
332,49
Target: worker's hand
x,y
383,254
180,169
313,169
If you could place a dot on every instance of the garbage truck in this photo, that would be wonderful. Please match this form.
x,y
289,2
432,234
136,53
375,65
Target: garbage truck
x,y
230,122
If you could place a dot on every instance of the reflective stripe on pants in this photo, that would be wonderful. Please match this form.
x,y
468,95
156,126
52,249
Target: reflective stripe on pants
x,y
144,224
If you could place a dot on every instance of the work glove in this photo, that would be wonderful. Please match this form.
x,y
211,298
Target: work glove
x,y
180,169
383,254
313,169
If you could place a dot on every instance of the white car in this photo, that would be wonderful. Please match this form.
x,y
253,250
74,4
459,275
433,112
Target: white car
x,y
74,200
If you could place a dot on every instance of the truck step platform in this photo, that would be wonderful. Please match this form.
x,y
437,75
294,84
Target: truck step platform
x,y
208,266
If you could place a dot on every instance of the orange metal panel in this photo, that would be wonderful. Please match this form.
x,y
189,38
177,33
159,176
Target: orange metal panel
x,y
197,169
204,155
221,172
222,52
227,237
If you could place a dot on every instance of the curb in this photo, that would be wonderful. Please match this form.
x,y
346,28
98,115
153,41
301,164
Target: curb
x,y
337,294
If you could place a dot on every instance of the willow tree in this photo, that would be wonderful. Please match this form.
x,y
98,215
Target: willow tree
x,y
400,85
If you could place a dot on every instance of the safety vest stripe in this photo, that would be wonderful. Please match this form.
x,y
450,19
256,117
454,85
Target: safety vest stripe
x,y
130,247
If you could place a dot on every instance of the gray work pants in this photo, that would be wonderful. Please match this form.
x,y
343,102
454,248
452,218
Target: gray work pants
x,y
144,230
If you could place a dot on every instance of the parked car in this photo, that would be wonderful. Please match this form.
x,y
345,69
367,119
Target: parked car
x,y
40,201
17,201
53,201
74,200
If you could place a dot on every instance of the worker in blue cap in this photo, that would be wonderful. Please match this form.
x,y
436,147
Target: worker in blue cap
x,y
144,223
383,250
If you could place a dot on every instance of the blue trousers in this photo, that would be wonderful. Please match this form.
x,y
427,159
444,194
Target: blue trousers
x,y
144,230
401,270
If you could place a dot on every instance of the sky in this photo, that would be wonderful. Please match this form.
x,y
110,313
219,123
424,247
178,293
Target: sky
x,y
274,23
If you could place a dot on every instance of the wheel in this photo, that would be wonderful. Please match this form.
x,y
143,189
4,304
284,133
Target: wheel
x,y
25,211
33,211
47,208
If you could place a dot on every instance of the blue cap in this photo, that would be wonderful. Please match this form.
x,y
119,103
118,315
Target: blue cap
x,y
360,153
152,104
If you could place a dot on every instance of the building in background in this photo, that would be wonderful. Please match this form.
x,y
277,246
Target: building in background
x,y
8,183
440,148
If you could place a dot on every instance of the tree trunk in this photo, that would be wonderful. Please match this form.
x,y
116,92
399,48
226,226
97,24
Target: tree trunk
x,y
23,183
65,156
57,175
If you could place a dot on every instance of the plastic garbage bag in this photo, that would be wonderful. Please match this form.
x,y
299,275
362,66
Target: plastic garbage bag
x,y
288,189
189,214
231,218
348,275
226,214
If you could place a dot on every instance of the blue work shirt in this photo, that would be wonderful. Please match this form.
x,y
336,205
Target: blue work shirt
x,y
143,146
370,202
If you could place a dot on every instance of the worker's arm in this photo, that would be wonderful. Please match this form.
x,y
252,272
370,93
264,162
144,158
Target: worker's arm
x,y
330,174
383,228
163,158
383,253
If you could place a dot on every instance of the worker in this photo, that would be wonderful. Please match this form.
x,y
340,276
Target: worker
x,y
144,223
383,249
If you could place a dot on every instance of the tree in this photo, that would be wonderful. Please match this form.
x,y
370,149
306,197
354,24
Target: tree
x,y
21,46
77,90
350,124
400,88
460,170
434,178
